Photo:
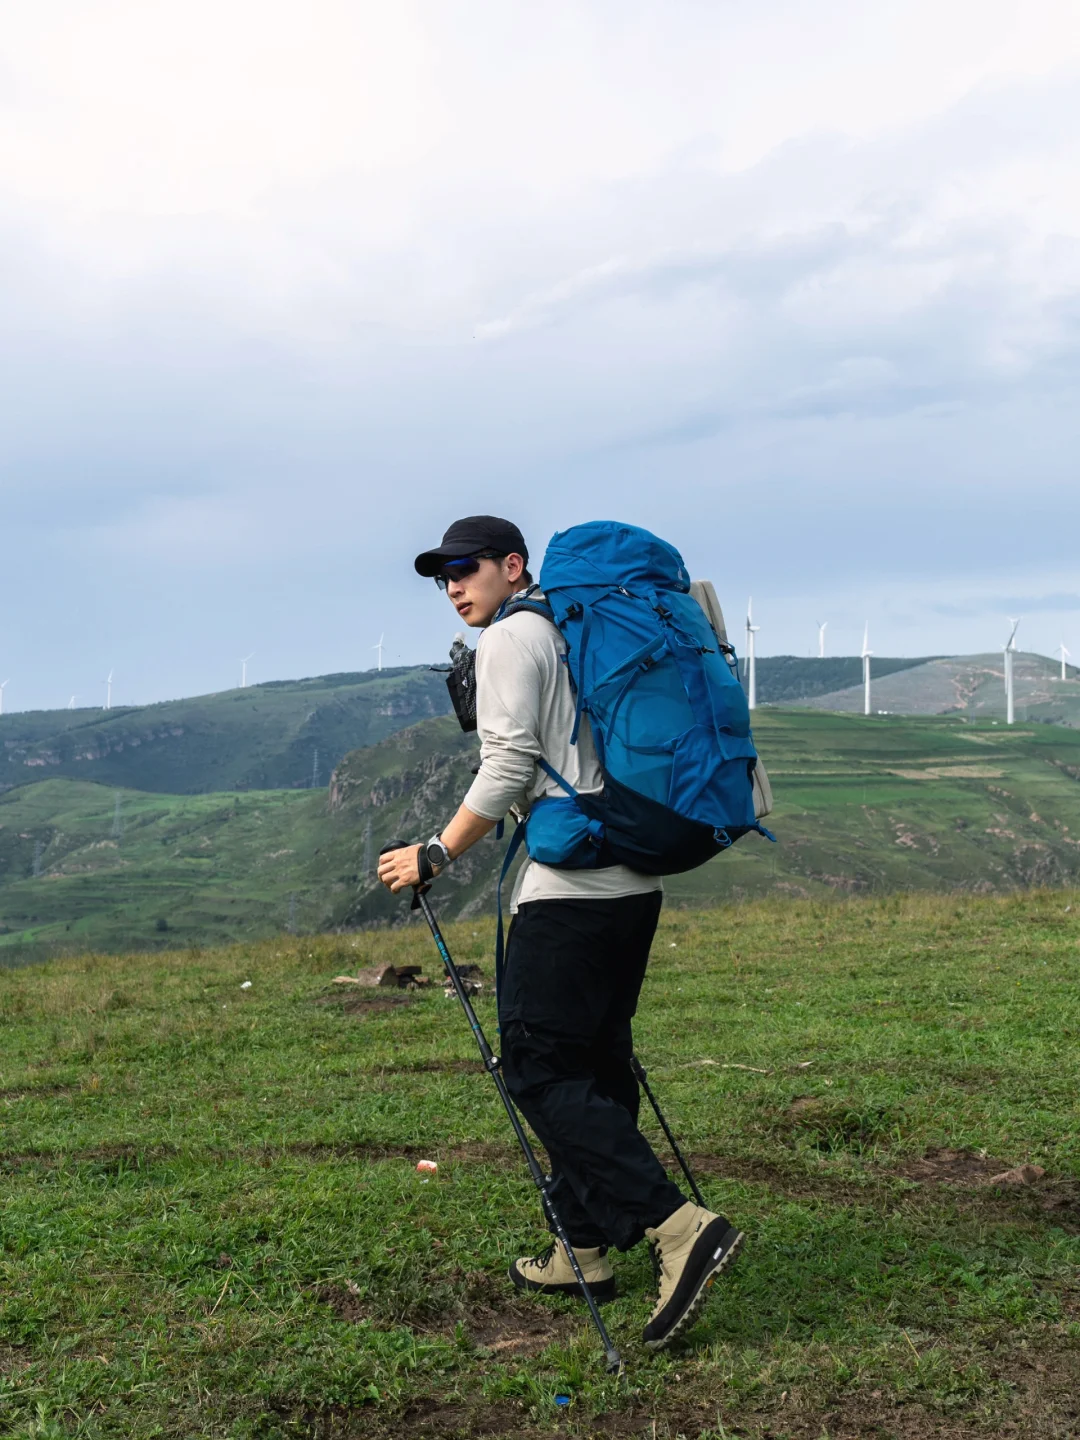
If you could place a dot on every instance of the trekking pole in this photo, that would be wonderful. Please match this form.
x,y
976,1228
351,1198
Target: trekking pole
x,y
643,1080
492,1065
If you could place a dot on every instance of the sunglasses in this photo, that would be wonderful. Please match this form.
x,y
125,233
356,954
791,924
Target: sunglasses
x,y
467,565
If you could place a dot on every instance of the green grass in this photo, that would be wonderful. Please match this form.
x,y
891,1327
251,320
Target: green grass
x,y
212,1224
862,806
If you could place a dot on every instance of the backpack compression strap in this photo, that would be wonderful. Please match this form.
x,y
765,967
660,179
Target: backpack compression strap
x,y
511,852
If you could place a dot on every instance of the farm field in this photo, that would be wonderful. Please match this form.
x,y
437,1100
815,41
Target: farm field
x,y
862,806
211,1222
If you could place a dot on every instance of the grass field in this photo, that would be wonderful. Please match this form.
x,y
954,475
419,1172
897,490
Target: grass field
x,y
212,1224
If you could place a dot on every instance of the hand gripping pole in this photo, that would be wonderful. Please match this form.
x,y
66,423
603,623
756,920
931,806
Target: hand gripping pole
x,y
491,1065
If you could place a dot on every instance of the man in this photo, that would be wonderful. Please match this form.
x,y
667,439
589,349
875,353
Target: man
x,y
576,954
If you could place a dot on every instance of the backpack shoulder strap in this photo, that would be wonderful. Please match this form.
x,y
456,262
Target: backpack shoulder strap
x,y
705,595
530,599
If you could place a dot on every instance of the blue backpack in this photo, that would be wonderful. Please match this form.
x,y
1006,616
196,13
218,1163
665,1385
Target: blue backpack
x,y
668,715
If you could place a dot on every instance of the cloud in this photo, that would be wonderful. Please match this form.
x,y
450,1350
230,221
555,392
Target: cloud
x,y
797,284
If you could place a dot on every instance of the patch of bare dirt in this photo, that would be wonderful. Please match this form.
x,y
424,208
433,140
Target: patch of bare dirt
x,y
430,1420
13,1360
954,1167
366,1004
344,1301
110,1159
432,1067
519,1328
476,1152
965,1175
35,1092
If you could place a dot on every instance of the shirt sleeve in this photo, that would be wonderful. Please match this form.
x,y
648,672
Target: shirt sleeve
x,y
508,687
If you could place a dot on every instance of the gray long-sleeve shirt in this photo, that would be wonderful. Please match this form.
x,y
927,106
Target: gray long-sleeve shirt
x,y
524,710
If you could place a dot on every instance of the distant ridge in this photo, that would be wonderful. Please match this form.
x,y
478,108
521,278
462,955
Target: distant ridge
x,y
790,679
279,735
971,685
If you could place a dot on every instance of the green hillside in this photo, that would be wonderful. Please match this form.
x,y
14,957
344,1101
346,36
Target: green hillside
x,y
791,679
972,685
863,806
263,737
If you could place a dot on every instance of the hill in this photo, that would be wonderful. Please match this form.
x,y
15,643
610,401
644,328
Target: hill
x,y
279,735
972,685
863,806
791,679
291,734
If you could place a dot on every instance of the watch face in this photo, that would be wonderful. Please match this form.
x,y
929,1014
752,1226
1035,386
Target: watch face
x,y
436,853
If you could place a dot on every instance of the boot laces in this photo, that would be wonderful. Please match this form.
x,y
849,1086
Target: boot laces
x,y
656,1258
543,1260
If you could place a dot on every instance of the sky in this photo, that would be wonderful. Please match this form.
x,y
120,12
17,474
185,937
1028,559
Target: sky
x,y
284,289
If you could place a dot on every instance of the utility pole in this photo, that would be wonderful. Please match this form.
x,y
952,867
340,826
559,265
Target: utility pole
x,y
315,769
38,847
369,852
118,820
292,913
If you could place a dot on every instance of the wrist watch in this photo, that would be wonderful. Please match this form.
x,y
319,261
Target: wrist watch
x,y
437,853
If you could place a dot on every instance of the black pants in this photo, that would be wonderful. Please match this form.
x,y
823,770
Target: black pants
x,y
573,974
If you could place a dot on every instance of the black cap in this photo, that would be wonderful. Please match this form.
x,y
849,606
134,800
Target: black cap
x,y
466,537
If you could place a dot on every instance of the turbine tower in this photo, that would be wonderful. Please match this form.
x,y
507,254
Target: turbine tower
x,y
71,702
822,625
6,682
751,658
1010,689
243,670
378,647
107,682
866,653
1065,653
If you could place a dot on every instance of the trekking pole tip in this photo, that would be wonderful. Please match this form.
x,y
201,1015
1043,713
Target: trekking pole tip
x,y
614,1361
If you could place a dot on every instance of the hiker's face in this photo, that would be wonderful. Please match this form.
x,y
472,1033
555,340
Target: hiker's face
x,y
476,597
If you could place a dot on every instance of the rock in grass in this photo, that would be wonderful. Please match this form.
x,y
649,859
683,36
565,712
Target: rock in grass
x,y
1022,1175
384,976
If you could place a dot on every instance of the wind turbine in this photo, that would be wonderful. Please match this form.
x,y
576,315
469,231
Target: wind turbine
x,y
6,682
107,682
378,647
1010,689
751,659
1064,655
243,670
866,653
71,702
822,624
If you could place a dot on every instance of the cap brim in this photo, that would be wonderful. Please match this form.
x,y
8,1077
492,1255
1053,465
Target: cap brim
x,y
431,561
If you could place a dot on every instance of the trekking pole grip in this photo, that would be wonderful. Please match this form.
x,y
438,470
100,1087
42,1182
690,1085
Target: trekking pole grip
x,y
425,882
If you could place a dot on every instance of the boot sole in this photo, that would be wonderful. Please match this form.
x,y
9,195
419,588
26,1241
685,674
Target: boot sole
x,y
723,1255
601,1292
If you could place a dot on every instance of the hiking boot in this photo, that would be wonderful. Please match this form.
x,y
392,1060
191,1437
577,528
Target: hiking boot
x,y
550,1273
689,1250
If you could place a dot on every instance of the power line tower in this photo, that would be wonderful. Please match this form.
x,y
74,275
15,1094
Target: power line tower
x,y
315,769
118,820
38,847
369,851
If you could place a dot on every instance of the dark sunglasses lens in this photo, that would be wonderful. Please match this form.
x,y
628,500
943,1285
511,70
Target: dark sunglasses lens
x,y
457,570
